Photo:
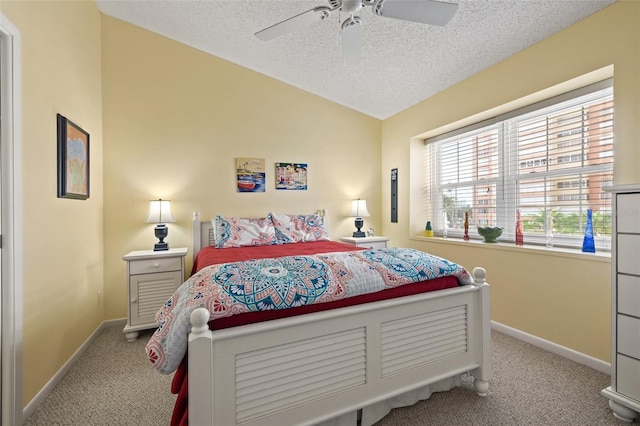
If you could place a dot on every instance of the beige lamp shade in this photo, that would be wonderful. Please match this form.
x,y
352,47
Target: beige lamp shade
x,y
359,208
160,212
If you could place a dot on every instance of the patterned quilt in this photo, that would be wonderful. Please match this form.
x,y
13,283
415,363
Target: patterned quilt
x,y
286,282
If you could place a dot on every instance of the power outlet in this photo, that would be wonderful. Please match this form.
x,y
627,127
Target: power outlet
x,y
99,297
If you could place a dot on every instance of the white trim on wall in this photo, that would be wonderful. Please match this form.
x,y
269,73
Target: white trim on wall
x,y
563,351
11,211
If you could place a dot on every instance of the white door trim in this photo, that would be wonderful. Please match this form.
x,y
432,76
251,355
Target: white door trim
x,y
12,220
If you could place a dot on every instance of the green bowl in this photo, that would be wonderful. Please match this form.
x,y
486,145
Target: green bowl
x,y
489,233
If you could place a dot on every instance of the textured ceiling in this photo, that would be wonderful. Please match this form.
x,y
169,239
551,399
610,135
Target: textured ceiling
x,y
402,62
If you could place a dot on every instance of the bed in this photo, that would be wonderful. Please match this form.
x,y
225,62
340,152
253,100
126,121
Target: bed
x,y
347,365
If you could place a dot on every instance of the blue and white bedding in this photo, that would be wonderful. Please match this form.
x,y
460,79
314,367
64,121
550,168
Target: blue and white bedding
x,y
287,282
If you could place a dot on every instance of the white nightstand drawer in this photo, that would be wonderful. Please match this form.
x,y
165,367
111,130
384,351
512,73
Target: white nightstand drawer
x,y
627,252
629,335
629,295
150,266
628,213
628,383
379,244
366,242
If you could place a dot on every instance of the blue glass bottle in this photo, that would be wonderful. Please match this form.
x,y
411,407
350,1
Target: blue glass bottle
x,y
588,245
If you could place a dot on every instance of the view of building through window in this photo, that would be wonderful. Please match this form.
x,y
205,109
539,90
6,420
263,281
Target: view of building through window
x,y
550,164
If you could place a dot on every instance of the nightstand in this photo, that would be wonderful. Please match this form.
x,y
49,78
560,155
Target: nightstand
x,y
367,242
152,277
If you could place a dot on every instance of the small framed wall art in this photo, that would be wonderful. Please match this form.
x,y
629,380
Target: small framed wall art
x,y
73,160
292,176
250,175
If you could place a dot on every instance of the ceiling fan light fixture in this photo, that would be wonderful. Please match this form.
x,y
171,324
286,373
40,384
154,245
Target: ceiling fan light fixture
x,y
351,6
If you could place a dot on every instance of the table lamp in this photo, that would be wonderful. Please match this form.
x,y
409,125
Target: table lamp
x,y
359,210
160,213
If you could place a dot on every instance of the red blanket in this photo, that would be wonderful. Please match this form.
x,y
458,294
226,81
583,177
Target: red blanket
x,y
213,256
210,256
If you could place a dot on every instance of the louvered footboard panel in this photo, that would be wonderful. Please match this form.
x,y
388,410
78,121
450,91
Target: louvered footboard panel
x,y
280,377
422,339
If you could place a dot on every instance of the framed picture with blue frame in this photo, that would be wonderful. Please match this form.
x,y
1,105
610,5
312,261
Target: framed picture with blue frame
x,y
73,160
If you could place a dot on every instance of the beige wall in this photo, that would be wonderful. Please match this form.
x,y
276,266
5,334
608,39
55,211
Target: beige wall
x,y
174,121
63,238
562,298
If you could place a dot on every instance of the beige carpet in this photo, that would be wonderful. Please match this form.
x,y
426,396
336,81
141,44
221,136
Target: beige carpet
x,y
114,384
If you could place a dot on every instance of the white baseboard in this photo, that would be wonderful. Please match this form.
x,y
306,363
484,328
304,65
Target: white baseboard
x,y
40,396
579,357
121,322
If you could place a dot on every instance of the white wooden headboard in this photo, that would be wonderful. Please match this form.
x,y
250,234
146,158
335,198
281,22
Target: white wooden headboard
x,y
203,230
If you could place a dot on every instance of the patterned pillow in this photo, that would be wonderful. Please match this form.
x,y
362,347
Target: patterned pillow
x,y
243,232
298,228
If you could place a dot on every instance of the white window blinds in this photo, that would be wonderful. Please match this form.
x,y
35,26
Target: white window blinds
x,y
549,160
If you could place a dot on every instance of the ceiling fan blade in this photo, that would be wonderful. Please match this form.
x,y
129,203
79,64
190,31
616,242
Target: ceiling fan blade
x,y
430,12
351,40
294,23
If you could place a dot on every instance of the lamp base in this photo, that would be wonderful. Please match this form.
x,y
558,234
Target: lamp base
x,y
160,246
359,224
161,233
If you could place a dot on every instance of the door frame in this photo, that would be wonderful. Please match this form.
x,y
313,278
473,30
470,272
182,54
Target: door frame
x,y
11,222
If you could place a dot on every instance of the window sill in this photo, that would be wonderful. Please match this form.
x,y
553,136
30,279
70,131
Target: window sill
x,y
530,249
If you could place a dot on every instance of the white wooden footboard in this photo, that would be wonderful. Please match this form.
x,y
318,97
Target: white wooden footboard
x,y
313,367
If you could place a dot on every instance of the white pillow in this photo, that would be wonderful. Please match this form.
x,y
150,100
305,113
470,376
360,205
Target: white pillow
x,y
298,228
243,232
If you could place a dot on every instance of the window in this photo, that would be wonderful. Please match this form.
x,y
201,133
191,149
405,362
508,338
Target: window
x,y
549,160
571,158
573,184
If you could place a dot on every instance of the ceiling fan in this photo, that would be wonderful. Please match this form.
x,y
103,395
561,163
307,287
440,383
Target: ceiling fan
x,y
422,11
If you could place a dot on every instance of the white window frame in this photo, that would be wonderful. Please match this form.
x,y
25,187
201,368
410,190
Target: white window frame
x,y
507,177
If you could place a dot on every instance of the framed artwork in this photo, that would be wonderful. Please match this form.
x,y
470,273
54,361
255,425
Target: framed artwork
x,y
250,174
73,160
291,176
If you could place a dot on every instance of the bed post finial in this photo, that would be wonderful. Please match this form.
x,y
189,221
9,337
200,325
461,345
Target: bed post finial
x,y
479,274
196,215
199,322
